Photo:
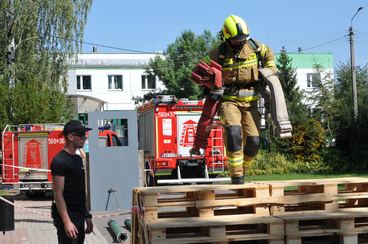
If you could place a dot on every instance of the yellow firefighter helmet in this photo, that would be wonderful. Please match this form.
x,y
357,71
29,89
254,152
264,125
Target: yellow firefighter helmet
x,y
235,28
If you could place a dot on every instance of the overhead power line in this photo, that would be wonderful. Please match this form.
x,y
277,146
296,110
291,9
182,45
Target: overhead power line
x,y
321,45
178,61
107,46
311,38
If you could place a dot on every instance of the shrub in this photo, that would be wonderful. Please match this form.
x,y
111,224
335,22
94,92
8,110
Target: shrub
x,y
276,163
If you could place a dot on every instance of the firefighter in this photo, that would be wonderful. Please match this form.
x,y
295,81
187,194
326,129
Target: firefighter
x,y
241,57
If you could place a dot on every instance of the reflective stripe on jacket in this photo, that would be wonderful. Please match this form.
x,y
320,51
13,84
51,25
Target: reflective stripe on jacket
x,y
242,67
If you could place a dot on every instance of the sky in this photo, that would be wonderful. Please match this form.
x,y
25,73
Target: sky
x,y
316,26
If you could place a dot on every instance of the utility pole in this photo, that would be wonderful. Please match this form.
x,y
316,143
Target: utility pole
x,y
353,71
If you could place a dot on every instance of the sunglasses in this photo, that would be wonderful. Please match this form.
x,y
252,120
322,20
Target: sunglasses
x,y
81,135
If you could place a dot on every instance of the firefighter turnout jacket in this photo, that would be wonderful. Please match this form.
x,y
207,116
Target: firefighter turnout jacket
x,y
242,67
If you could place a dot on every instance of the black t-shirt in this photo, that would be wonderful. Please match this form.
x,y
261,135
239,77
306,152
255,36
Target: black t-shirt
x,y
71,167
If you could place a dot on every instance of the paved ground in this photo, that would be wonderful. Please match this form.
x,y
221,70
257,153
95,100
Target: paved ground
x,y
33,228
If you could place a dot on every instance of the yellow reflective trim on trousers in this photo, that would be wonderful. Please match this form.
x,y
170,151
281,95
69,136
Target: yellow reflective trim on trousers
x,y
240,99
240,65
236,164
235,161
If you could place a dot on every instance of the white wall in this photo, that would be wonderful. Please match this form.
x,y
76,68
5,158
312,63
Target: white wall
x,y
99,66
301,76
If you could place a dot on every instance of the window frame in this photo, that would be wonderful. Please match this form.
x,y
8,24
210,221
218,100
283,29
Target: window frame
x,y
310,79
80,80
145,79
113,83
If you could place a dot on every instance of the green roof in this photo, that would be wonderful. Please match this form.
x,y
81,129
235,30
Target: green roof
x,y
308,60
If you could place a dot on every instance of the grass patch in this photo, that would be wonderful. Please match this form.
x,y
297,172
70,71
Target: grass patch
x,y
8,193
295,176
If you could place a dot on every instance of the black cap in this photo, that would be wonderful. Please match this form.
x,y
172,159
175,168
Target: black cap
x,y
74,126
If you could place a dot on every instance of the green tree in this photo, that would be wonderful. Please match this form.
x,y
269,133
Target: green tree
x,y
4,100
308,141
351,136
308,134
293,95
322,100
293,98
174,69
36,38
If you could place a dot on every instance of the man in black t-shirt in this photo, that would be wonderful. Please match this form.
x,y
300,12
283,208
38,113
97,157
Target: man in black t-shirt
x,y
67,170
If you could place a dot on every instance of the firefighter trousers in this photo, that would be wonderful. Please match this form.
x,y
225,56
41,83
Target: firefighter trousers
x,y
241,121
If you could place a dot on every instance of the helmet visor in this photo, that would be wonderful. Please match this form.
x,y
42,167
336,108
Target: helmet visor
x,y
238,38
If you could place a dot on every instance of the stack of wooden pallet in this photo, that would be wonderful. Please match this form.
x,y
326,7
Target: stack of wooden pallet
x,y
307,211
322,211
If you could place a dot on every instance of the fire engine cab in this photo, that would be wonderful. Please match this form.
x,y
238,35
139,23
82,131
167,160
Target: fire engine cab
x,y
167,129
27,154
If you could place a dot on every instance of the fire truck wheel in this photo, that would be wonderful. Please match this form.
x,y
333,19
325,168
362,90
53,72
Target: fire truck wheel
x,y
35,194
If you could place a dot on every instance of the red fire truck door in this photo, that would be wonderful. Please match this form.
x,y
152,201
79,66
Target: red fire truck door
x,y
187,127
33,154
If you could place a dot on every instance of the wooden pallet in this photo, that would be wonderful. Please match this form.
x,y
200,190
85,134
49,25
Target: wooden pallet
x,y
297,211
136,229
352,194
347,225
195,202
203,201
325,195
217,229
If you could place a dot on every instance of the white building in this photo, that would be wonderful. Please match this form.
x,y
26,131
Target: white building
x,y
98,82
306,73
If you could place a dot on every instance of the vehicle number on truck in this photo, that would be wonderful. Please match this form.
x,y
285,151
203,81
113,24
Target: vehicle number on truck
x,y
166,114
56,140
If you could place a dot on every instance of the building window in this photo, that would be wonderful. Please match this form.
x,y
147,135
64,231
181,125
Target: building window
x,y
84,82
148,82
115,82
313,79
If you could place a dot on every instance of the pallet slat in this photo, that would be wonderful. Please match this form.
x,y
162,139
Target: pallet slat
x,y
215,228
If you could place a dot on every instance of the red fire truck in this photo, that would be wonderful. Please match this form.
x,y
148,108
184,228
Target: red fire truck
x,y
167,130
27,153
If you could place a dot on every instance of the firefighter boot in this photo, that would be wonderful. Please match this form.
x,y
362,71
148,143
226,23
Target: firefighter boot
x,y
237,180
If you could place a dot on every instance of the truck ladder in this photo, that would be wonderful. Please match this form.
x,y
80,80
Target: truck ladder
x,y
5,139
217,151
